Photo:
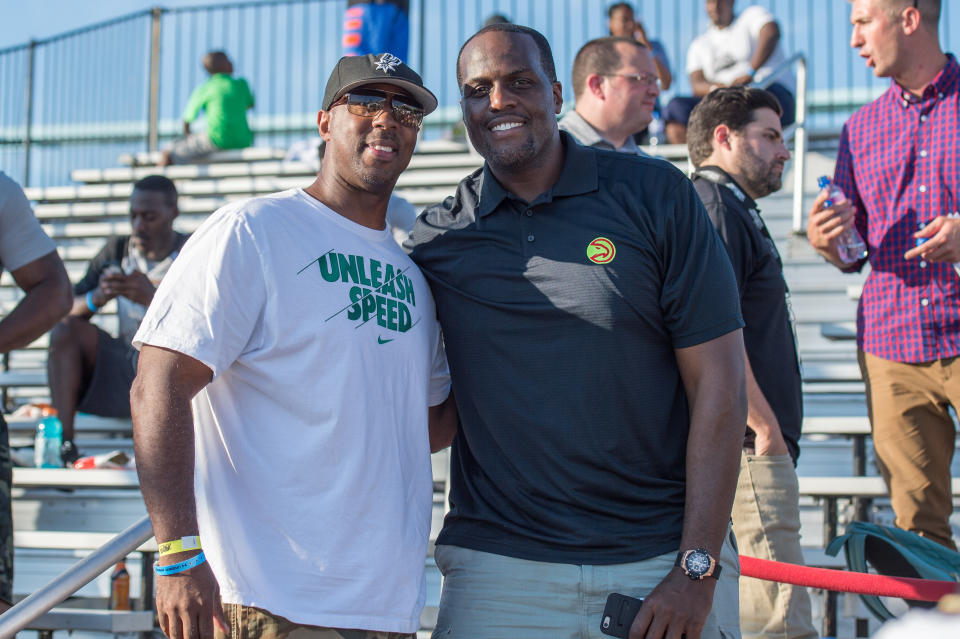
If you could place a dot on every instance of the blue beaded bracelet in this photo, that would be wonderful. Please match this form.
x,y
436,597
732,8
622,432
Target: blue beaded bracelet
x,y
93,307
173,569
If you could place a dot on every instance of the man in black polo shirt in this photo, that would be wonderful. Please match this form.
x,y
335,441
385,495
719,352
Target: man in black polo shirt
x,y
736,143
593,334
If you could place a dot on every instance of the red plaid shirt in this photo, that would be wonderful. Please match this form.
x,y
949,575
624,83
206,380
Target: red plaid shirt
x,y
899,163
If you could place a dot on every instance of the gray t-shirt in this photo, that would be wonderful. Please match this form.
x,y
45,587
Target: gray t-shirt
x,y
21,239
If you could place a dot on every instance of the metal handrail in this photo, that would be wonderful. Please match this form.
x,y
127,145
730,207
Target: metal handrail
x,y
74,578
797,131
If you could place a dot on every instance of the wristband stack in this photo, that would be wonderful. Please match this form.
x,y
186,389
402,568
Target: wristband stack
x,y
184,544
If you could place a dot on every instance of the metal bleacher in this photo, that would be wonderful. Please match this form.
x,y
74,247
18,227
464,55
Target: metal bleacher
x,y
80,217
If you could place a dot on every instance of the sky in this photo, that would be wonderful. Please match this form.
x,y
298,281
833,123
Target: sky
x,y
37,19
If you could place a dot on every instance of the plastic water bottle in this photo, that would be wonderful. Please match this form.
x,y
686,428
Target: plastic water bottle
x,y
120,588
46,446
850,245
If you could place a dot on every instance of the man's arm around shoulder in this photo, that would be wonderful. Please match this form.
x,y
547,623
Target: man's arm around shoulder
x,y
188,603
713,376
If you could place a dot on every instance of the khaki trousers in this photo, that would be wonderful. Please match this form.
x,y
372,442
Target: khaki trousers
x,y
914,437
766,522
247,622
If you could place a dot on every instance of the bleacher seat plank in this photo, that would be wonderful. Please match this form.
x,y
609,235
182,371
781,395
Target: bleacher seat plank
x,y
69,540
848,487
836,426
419,161
111,621
250,154
70,478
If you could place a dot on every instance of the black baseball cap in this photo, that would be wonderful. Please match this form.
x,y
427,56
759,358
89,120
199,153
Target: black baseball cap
x,y
384,68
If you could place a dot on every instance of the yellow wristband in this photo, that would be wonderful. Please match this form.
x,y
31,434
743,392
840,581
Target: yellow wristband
x,y
190,542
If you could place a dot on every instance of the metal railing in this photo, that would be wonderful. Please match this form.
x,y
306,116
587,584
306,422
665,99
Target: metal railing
x,y
84,97
86,570
797,131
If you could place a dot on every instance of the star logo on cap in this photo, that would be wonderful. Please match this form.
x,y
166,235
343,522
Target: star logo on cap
x,y
388,62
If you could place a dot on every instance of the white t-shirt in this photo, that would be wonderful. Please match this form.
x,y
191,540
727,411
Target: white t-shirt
x,y
313,480
724,54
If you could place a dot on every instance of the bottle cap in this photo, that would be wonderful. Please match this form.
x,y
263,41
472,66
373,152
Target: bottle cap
x,y
47,411
823,181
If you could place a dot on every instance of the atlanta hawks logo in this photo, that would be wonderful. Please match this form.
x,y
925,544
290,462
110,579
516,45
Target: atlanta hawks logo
x,y
601,251
388,62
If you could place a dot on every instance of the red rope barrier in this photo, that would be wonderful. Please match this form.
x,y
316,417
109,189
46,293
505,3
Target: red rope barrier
x,y
845,581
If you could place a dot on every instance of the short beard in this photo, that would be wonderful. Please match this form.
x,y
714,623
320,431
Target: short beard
x,y
515,159
759,178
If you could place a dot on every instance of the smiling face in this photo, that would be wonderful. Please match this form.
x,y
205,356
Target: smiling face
x,y
367,153
509,104
151,221
878,36
759,154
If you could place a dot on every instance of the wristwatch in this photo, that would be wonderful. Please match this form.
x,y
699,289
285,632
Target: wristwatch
x,y
698,564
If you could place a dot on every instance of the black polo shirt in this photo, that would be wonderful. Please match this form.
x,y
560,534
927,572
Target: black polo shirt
x,y
574,420
768,331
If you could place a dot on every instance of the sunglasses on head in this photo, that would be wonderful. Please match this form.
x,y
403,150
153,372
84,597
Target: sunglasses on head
x,y
368,103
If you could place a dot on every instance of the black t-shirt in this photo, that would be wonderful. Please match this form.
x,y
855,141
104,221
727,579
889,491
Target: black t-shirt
x,y
768,333
560,320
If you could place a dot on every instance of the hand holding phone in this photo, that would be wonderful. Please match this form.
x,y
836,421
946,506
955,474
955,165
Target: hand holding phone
x,y
618,615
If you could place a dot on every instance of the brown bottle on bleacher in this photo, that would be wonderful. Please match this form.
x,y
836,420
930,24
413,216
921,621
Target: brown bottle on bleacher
x,y
120,588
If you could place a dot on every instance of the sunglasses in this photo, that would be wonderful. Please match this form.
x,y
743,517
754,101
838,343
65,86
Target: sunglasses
x,y
368,103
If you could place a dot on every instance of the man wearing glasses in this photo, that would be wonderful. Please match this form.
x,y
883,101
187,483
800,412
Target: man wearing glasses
x,y
897,164
308,344
615,84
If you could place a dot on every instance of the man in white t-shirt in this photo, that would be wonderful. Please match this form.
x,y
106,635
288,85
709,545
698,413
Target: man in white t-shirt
x,y
735,50
308,343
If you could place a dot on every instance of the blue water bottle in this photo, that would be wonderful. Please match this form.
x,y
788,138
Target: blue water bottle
x,y
46,446
850,245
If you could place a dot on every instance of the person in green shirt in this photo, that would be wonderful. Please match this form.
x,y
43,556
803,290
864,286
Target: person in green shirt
x,y
225,101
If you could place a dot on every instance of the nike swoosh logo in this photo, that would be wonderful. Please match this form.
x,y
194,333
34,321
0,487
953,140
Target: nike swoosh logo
x,y
380,340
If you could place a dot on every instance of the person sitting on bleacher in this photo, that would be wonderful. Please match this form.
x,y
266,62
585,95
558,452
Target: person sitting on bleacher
x,y
31,258
736,49
225,101
88,369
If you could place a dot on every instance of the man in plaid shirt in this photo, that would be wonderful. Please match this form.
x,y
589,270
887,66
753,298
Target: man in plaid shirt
x,y
899,166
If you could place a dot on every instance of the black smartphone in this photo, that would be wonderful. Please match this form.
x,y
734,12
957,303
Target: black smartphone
x,y
618,615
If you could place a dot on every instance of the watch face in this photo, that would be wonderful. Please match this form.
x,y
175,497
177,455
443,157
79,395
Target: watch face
x,y
698,563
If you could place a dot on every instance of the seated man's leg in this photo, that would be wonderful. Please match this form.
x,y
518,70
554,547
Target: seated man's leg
x,y
766,521
70,363
108,394
787,102
676,116
497,597
190,147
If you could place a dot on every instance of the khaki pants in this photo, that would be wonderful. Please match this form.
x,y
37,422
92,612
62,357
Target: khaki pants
x,y
247,622
914,437
489,596
766,522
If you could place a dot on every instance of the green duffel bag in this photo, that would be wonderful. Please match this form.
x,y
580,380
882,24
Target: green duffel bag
x,y
895,553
